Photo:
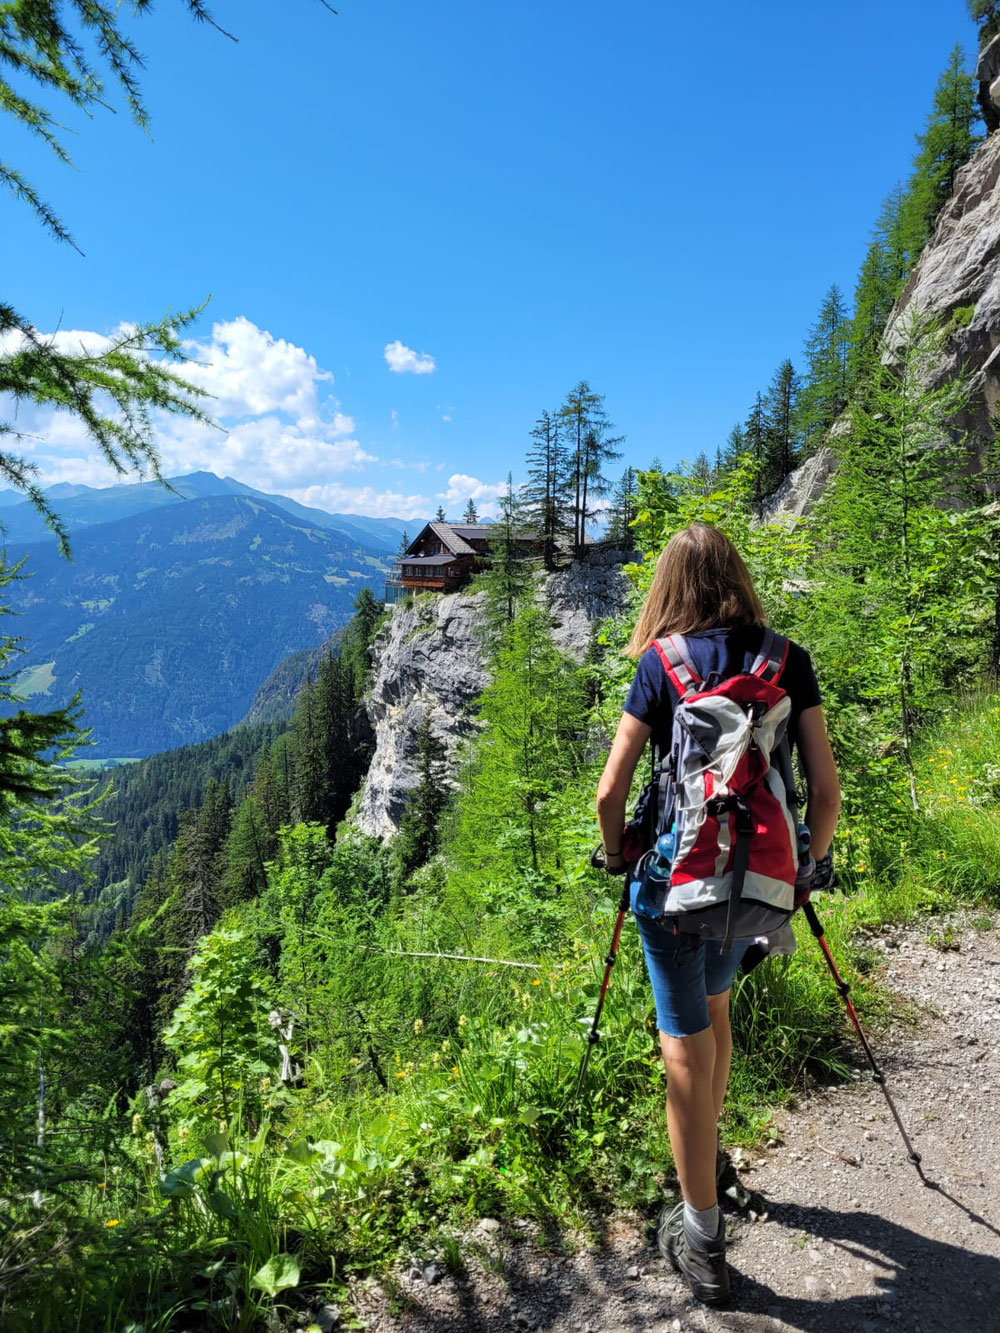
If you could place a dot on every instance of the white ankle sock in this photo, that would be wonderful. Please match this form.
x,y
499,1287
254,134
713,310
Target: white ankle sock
x,y
703,1223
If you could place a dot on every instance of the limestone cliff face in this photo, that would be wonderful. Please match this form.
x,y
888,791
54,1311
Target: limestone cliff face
x,y
429,662
957,280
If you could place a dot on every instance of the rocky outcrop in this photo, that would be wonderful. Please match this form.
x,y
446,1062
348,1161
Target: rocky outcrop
x,y
800,490
957,281
429,663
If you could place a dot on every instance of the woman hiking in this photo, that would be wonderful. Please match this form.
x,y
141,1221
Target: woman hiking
x,y
702,590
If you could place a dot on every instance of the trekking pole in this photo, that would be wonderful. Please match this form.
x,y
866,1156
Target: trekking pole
x,y
816,926
594,1036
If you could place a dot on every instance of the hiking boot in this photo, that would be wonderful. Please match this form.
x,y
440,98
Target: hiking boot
x,y
704,1268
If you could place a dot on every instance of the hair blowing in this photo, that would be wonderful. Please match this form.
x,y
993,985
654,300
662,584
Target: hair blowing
x,y
700,582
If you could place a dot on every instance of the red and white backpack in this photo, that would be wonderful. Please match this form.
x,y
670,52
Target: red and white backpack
x,y
727,790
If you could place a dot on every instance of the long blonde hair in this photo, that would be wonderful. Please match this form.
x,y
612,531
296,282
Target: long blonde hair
x,y
700,582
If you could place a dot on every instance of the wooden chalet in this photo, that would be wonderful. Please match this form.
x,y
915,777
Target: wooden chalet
x,y
442,558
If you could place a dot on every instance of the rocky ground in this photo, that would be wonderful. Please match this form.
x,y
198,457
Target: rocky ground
x,y
847,1236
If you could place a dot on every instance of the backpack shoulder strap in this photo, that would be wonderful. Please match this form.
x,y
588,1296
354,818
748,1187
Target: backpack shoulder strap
x,y
771,656
681,671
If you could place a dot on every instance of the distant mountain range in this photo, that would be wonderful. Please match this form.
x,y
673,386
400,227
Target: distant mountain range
x,y
174,611
83,506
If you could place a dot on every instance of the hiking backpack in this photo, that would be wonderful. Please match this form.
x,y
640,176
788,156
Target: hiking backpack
x,y
727,790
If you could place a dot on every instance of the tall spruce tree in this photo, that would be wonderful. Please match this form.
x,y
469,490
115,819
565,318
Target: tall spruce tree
x,y
591,447
471,514
781,445
825,390
624,510
546,494
417,839
755,445
945,145
508,576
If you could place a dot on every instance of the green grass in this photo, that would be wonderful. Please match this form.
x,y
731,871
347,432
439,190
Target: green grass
x,y
37,680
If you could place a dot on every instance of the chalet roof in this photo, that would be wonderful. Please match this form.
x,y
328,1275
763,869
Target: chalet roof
x,y
472,530
446,534
444,559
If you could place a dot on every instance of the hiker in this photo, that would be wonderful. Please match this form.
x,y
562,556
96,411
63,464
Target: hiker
x,y
703,595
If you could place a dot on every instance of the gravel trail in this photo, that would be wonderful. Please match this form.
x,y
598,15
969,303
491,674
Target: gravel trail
x,y
850,1239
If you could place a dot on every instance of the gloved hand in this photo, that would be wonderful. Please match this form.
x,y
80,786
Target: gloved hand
x,y
825,877
804,882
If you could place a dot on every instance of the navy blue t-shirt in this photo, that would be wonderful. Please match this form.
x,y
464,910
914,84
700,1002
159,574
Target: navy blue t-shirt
x,y
728,652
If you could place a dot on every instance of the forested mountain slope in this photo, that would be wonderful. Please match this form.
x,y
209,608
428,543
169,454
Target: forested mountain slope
x,y
168,621
81,507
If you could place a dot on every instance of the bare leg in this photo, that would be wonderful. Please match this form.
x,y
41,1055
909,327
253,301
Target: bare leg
x,y
718,1013
690,1066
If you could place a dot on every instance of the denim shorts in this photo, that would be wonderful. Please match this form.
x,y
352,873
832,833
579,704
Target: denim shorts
x,y
684,971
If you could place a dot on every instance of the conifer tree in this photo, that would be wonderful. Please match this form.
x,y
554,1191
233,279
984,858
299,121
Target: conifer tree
x,y
824,393
417,839
623,510
471,514
781,446
439,516
736,447
546,493
510,565
945,145
755,445
591,447
879,284
701,473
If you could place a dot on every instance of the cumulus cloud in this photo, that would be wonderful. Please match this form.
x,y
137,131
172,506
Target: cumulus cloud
x,y
403,360
364,500
462,488
282,427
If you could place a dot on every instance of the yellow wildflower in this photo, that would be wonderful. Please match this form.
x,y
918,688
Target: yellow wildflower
x,y
418,1026
111,1222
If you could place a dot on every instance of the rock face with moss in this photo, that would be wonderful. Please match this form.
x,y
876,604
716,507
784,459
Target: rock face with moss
x,y
429,661
957,280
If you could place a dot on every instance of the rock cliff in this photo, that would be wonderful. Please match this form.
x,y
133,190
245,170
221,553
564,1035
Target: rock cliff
x,y
428,661
957,279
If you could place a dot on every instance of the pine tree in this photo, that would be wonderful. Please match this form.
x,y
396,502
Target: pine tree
x,y
945,145
880,282
546,493
439,516
508,577
755,445
736,447
897,573
417,839
471,514
624,510
781,446
591,448
824,393
701,473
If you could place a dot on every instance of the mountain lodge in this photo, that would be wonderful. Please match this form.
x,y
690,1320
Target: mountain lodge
x,y
442,558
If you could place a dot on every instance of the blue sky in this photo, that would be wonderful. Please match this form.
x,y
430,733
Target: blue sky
x,y
652,196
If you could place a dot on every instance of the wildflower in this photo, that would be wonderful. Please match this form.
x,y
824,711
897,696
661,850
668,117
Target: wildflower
x,y
446,1046
535,981
436,1060
418,1026
182,1134
102,1184
401,1073
111,1222
462,1020
136,1123
454,1069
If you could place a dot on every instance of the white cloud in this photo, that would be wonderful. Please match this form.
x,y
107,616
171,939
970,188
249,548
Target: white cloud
x,y
403,360
364,500
462,488
249,372
282,426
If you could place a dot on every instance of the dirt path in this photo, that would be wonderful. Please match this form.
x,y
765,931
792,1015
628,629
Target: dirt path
x,y
842,1246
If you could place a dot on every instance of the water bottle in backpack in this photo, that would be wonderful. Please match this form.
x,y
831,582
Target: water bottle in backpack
x,y
654,880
